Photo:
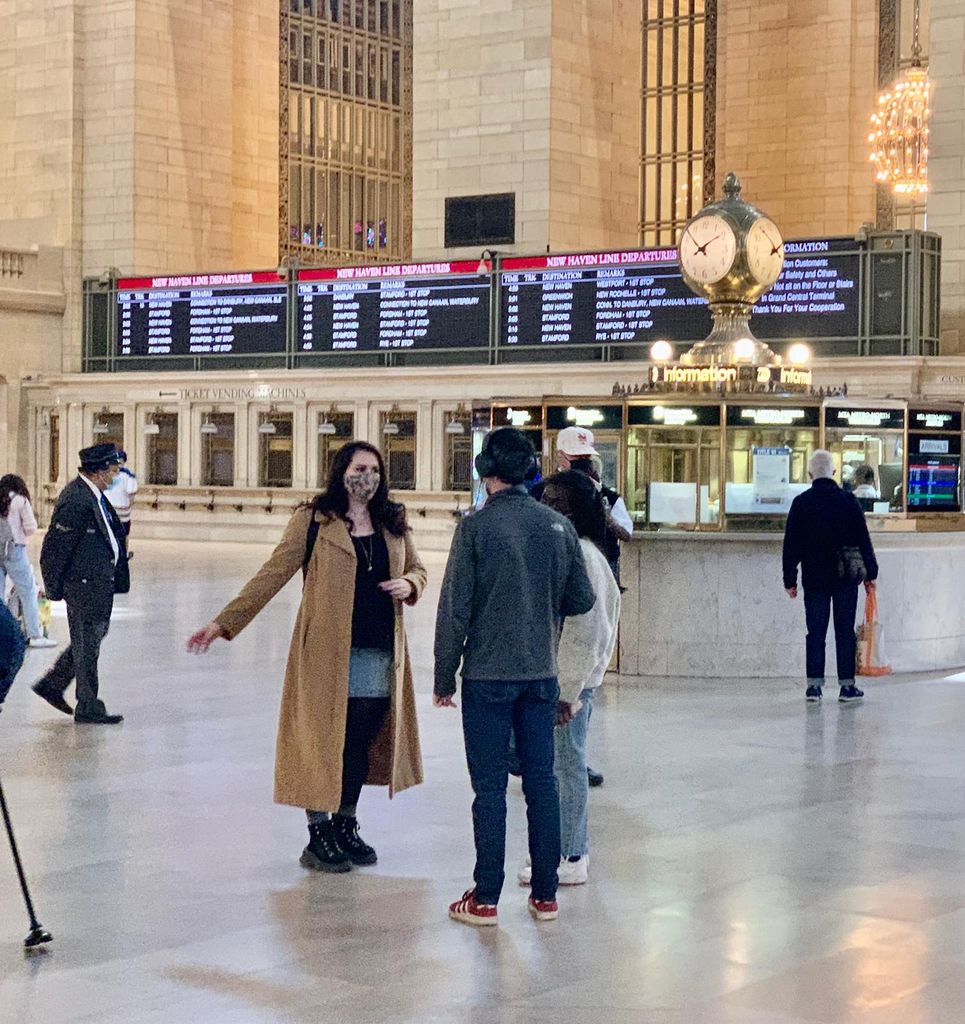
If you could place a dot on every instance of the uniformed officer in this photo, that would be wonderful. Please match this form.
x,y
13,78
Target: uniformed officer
x,y
84,562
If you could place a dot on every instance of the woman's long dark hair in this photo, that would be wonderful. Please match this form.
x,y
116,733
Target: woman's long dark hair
x,y
586,510
333,501
11,483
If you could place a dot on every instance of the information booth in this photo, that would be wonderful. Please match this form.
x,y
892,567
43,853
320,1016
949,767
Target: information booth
x,y
707,463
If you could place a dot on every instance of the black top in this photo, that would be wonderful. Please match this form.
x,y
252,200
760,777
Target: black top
x,y
823,520
373,618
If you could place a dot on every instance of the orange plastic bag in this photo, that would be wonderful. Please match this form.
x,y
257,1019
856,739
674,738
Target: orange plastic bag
x,y
870,636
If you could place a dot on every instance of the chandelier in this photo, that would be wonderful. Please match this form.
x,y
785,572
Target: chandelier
x,y
899,128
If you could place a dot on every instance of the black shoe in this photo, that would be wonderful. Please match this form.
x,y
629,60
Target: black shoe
x,y
348,839
593,778
52,697
97,718
323,853
813,694
849,694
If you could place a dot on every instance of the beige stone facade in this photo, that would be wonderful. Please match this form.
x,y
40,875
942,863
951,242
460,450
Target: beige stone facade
x,y
534,97
946,201
796,83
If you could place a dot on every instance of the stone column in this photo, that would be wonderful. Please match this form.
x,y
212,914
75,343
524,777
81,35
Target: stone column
x,y
946,172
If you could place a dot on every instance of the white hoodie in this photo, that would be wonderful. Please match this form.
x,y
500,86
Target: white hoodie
x,y
587,641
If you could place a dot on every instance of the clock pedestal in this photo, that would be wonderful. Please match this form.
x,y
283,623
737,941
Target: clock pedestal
x,y
730,340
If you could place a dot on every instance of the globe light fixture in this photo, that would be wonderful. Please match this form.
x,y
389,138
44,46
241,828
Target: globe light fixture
x,y
799,354
661,352
899,128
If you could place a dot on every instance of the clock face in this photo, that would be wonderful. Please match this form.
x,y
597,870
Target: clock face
x,y
707,248
765,251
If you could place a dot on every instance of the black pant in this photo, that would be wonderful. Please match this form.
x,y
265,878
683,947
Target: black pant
x,y
817,612
80,660
363,722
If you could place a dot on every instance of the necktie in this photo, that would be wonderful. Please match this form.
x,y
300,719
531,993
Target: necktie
x,y
104,504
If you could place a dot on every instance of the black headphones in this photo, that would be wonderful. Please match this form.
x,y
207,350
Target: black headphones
x,y
507,453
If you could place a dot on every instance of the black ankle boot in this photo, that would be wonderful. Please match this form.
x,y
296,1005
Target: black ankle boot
x,y
346,831
323,852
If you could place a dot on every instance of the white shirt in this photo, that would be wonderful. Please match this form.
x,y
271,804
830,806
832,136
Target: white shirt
x,y
621,516
120,493
110,529
21,518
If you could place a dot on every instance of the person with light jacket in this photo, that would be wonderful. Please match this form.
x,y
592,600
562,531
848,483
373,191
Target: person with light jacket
x,y
21,525
586,648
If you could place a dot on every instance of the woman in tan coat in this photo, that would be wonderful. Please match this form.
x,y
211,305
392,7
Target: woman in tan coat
x,y
348,708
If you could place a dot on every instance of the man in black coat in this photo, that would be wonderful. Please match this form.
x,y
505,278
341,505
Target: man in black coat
x,y
84,563
823,522
11,651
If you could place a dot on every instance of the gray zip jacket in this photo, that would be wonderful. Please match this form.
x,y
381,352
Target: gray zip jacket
x,y
515,571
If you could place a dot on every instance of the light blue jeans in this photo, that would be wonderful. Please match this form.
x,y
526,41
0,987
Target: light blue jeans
x,y
17,566
570,759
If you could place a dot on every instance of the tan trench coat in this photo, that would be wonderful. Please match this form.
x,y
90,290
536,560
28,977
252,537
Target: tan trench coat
x,y
311,727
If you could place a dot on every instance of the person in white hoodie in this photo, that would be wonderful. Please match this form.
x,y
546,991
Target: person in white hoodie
x,y
586,647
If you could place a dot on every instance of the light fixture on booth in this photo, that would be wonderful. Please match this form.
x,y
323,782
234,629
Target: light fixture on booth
x,y
456,424
267,425
151,426
100,424
487,261
799,354
899,127
325,425
209,427
390,427
661,352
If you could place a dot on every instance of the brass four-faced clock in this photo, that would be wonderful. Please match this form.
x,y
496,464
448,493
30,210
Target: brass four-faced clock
x,y
731,254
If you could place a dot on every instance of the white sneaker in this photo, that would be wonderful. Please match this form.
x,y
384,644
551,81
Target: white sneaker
x,y
41,641
570,872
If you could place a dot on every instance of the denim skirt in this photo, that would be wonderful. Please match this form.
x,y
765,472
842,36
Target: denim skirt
x,y
370,672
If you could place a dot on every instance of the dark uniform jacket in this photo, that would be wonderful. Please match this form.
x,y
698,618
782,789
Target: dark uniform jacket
x,y
77,560
823,520
515,570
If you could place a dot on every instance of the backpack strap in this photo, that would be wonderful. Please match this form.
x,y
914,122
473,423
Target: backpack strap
x,y
310,538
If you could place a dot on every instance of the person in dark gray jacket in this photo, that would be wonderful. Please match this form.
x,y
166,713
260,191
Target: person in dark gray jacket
x,y
515,571
824,521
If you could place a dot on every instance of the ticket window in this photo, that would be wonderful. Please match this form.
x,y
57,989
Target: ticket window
x,y
218,450
673,466
108,427
767,451
161,432
458,444
275,449
398,430
53,458
868,450
335,430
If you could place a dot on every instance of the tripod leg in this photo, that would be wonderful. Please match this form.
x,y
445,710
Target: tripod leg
x,y
38,934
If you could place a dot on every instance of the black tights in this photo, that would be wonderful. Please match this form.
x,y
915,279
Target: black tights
x,y
363,721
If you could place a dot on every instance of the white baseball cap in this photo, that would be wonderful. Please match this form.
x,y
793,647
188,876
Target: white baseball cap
x,y
575,442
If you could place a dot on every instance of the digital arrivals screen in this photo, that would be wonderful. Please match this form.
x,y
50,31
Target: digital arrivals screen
x,y
637,297
933,483
201,315
416,307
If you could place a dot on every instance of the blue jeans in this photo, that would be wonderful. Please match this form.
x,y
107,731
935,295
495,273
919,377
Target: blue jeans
x,y
817,613
491,712
18,567
570,741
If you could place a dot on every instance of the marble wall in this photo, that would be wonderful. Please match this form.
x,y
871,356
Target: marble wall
x,y
700,606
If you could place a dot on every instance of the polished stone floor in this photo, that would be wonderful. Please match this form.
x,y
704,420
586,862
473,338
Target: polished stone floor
x,y
754,859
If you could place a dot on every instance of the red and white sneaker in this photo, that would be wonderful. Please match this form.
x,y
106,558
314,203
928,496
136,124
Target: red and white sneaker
x,y
469,911
544,910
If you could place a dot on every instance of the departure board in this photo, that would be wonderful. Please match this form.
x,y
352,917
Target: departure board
x,y
202,315
415,307
637,297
